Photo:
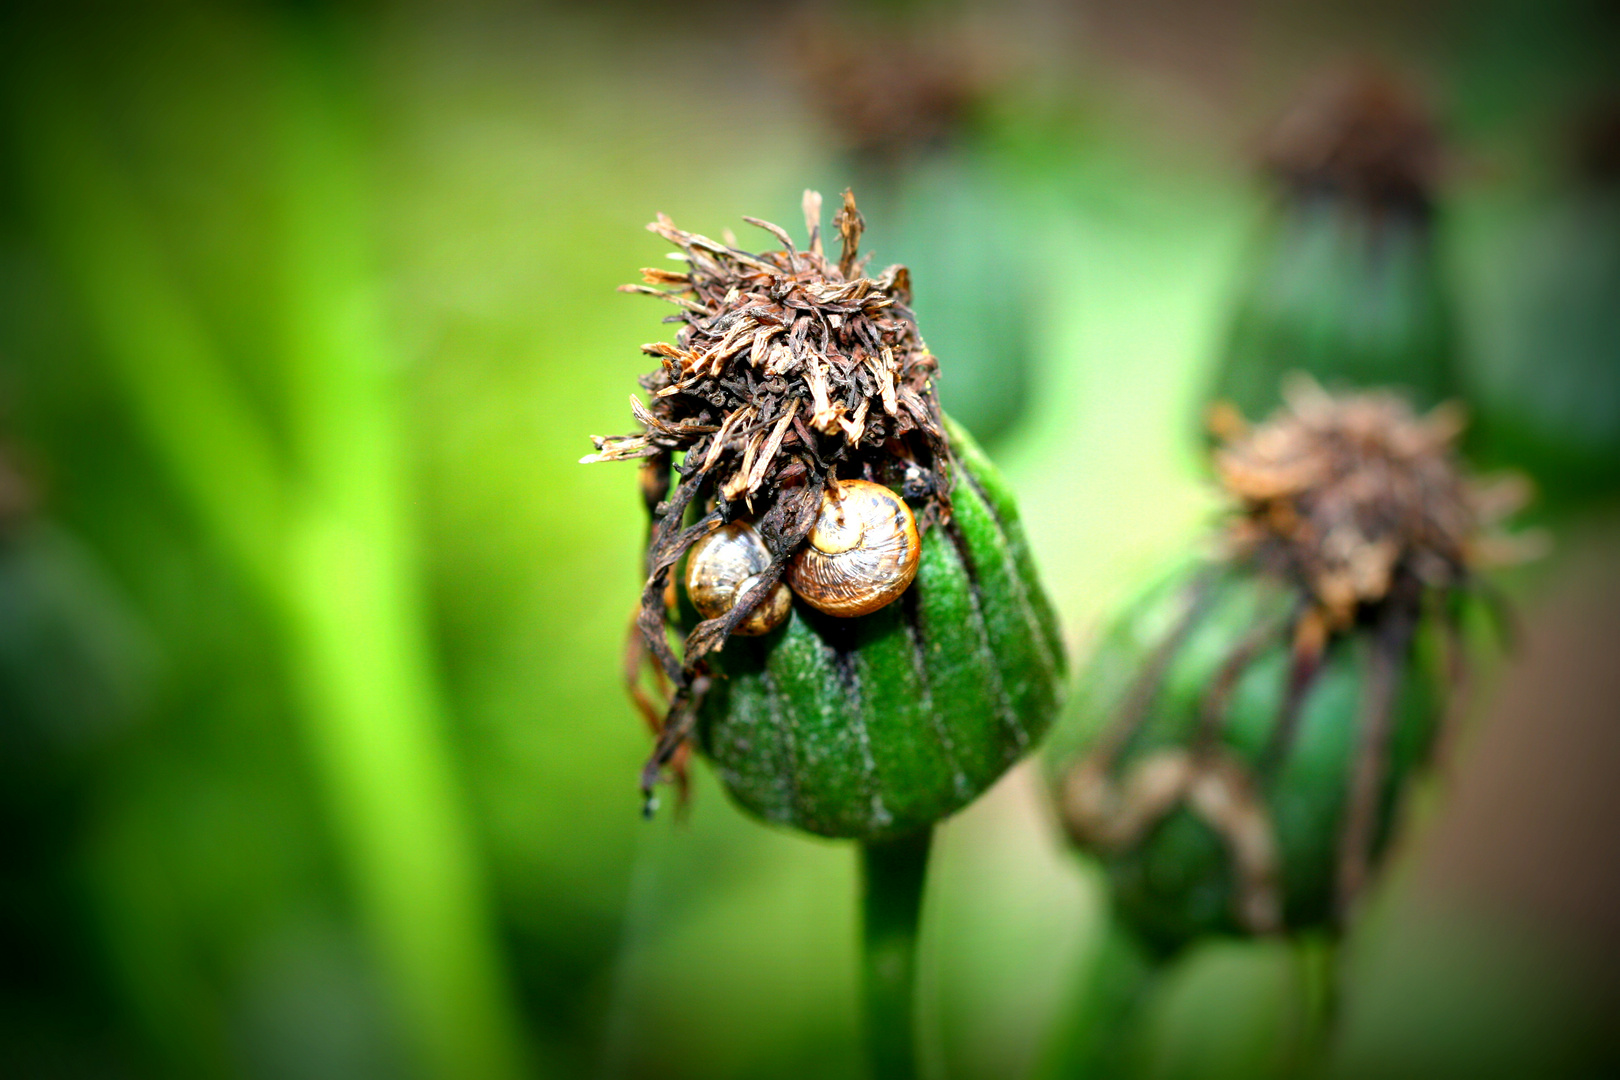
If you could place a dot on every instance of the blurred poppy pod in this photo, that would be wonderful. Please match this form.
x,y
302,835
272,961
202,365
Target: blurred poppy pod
x,y
899,92
1240,742
865,645
1549,350
1344,282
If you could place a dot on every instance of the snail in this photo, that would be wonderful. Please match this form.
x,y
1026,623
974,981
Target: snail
x,y
722,566
862,552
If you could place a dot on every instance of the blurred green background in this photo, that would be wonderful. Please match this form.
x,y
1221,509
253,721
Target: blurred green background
x,y
315,759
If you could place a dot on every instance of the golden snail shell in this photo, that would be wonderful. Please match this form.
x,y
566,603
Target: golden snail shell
x,y
722,565
863,551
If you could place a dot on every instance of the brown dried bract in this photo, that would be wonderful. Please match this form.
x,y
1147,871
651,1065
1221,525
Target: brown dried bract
x,y
1347,494
789,370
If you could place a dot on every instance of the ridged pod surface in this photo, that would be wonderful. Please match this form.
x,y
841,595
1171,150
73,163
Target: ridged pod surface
x,y
1179,881
878,726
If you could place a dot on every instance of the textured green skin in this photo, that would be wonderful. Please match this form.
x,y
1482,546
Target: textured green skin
x,y
879,726
1177,884
1351,302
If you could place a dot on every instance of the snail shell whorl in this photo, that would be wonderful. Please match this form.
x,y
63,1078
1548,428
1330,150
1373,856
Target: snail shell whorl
x,y
862,552
722,566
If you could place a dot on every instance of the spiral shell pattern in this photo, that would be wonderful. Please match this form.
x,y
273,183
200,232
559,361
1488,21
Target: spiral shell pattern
x,y
722,566
862,553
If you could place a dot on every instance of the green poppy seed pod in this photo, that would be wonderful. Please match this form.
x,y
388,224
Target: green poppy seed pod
x,y
1235,824
877,726
1343,284
863,645
1237,749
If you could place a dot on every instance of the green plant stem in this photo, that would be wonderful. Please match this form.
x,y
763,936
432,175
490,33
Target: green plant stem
x,y
1319,986
1095,1037
894,873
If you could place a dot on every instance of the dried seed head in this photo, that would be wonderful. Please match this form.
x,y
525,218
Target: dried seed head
x,y
1347,494
1361,136
1351,513
790,372
787,364
891,88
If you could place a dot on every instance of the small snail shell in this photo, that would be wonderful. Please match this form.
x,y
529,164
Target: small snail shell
x,y
863,551
722,565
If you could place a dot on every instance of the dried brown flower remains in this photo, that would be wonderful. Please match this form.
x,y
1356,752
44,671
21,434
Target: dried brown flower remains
x,y
789,373
1345,494
1360,508
1366,507
888,88
1359,135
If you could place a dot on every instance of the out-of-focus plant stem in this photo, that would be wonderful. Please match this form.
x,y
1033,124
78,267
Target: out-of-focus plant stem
x,y
1319,977
894,872
326,542
1096,1036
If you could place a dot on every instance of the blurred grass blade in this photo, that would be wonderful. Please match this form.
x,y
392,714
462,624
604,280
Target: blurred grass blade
x,y
155,347
374,708
329,555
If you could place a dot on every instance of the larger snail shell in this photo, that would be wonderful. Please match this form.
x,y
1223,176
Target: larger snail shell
x,y
862,552
722,566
